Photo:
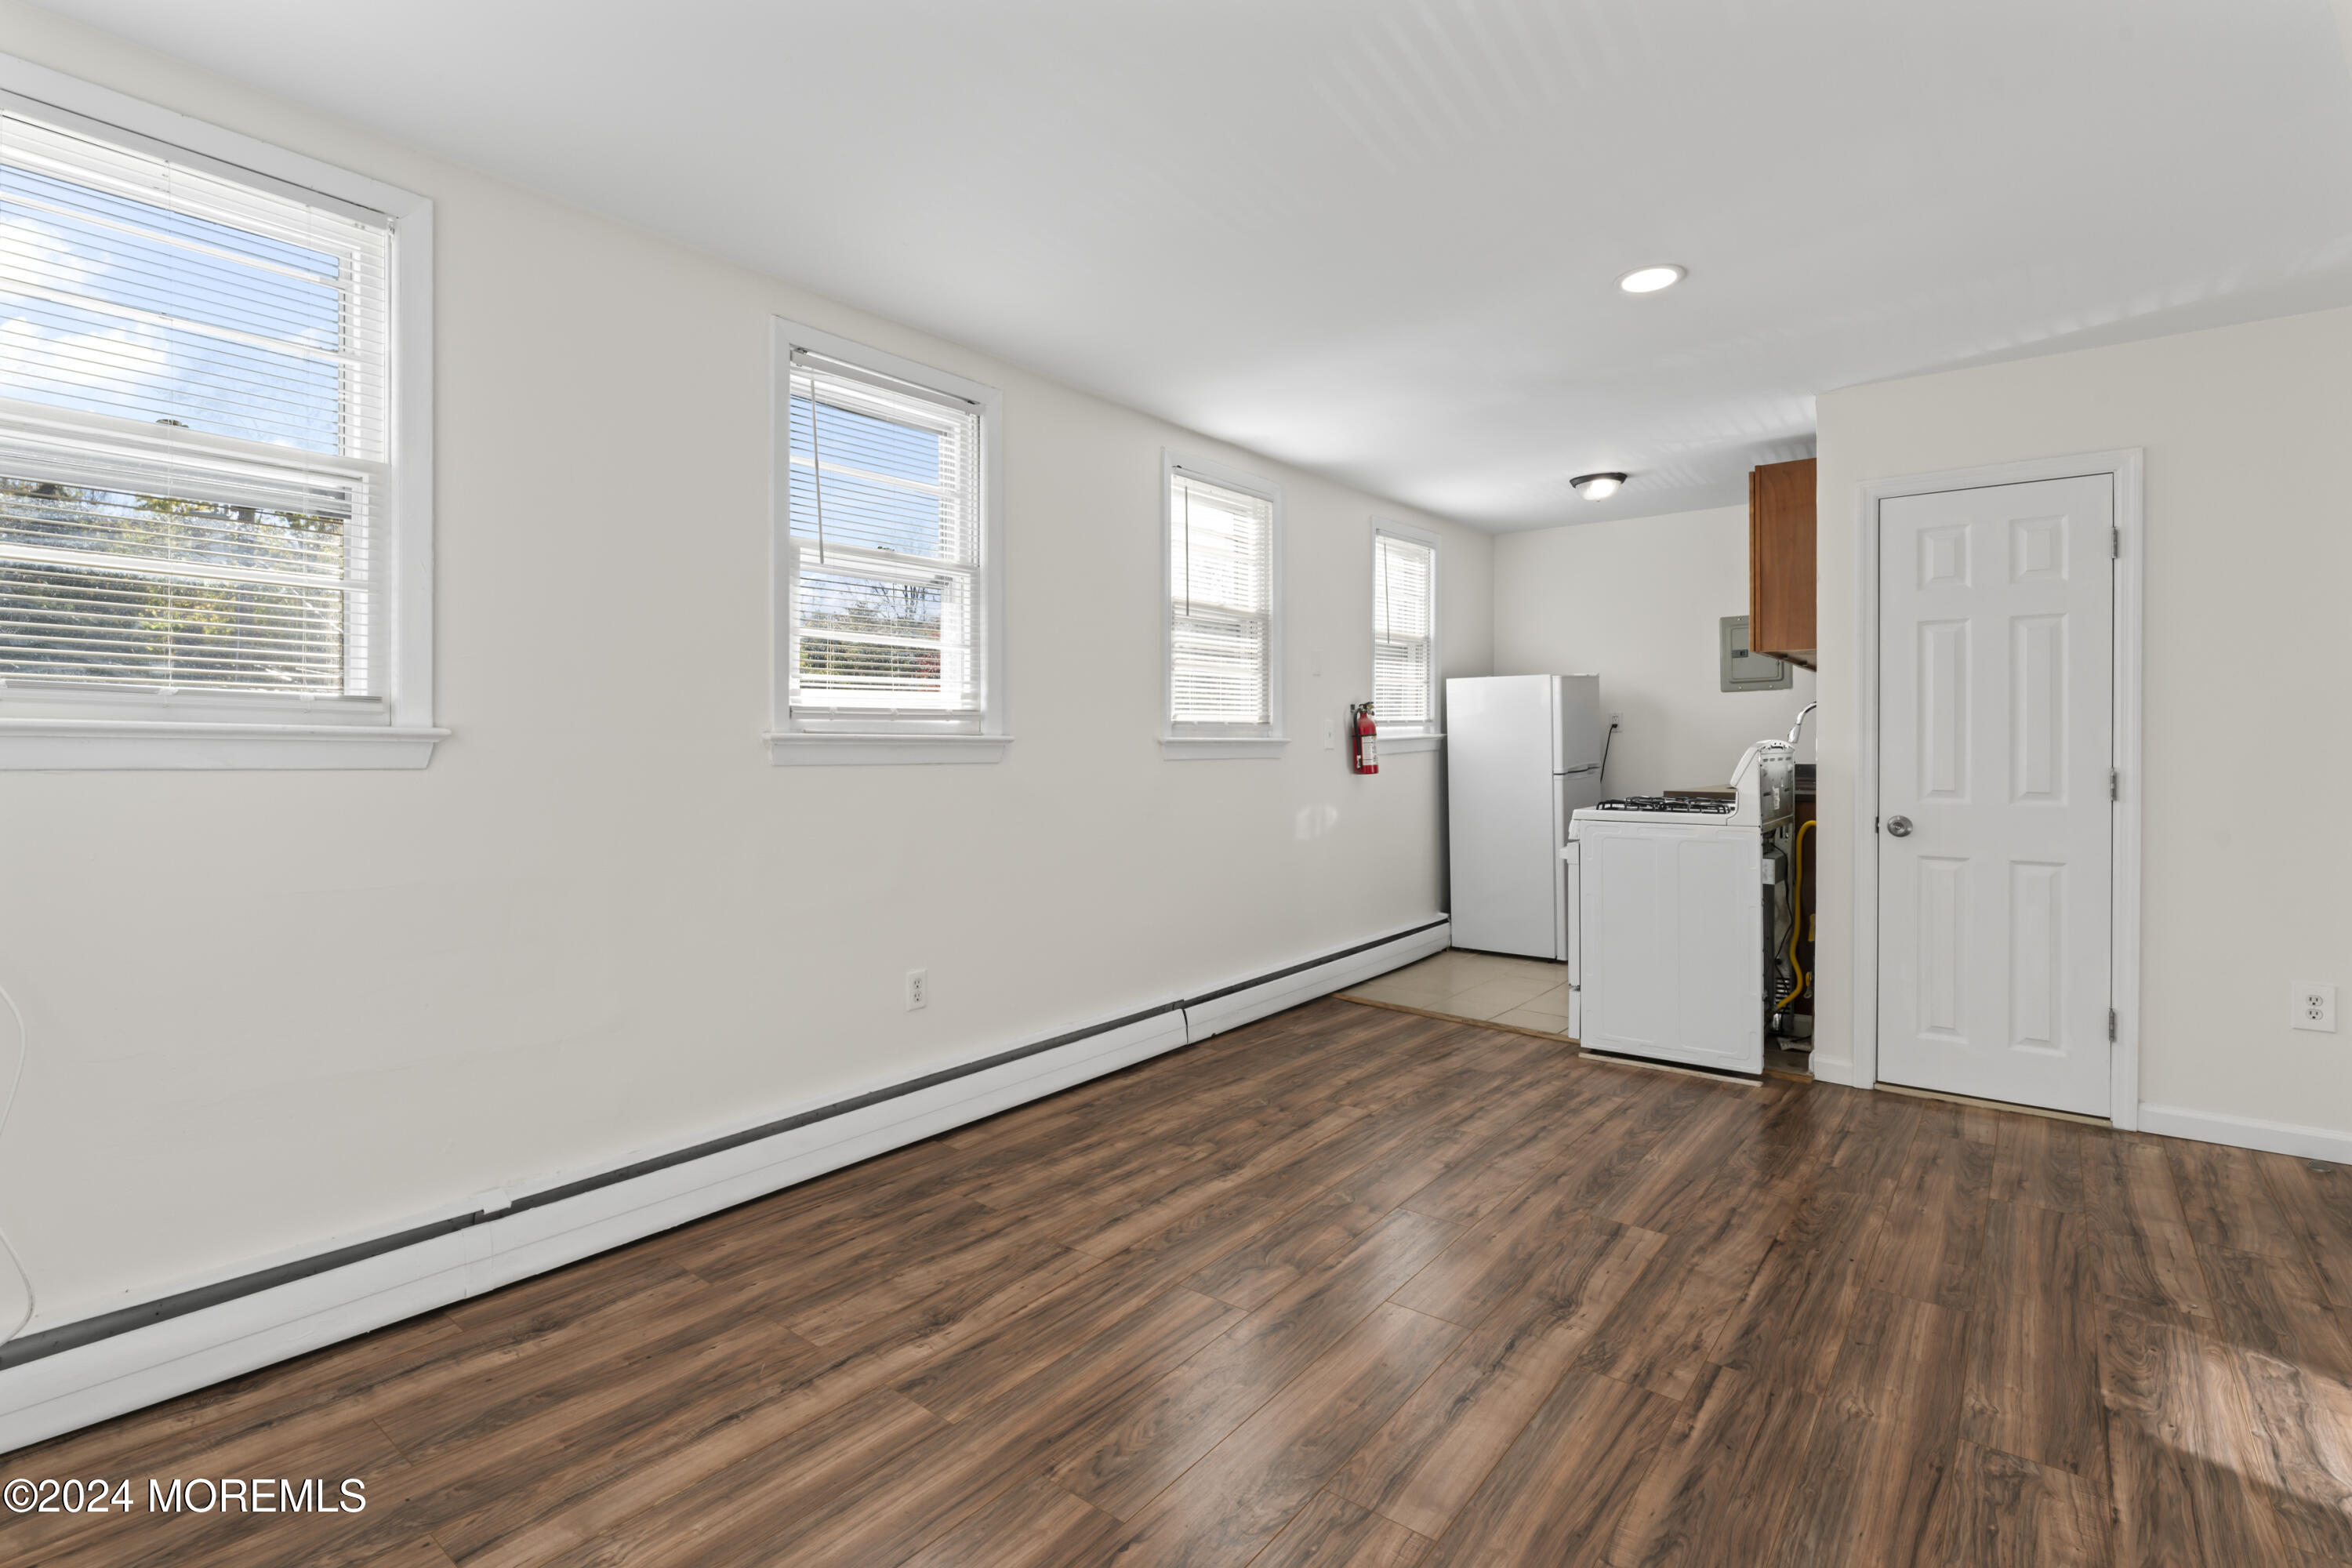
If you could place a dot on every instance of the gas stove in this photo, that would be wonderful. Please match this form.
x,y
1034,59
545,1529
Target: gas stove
x,y
1762,797
1671,946
1680,804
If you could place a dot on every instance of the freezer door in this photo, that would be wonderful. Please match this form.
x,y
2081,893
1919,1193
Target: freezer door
x,y
1503,814
1580,730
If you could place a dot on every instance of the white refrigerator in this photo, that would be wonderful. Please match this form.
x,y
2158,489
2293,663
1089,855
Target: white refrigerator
x,y
1523,753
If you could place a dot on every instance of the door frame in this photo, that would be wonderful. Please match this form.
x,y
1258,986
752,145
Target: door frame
x,y
2124,468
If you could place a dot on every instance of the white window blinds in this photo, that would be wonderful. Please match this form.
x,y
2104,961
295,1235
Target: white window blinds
x,y
1405,584
1220,576
195,432
884,523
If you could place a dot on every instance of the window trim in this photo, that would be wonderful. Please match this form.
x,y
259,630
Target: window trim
x,y
69,729
1207,742
1430,735
871,739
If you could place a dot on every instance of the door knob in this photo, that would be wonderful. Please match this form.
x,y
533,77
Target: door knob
x,y
1899,826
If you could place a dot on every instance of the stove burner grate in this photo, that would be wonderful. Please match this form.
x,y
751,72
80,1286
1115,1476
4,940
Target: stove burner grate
x,y
1683,803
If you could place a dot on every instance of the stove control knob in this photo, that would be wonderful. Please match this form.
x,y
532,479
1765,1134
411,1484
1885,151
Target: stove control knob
x,y
1900,827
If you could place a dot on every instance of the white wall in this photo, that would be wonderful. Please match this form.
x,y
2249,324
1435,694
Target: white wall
x,y
269,1010
1639,602
2247,754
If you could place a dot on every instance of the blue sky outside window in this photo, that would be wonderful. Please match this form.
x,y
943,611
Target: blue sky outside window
x,y
882,484
123,307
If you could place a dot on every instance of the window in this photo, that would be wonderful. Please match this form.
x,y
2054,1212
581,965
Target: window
x,y
211,523
886,582
1404,634
1223,534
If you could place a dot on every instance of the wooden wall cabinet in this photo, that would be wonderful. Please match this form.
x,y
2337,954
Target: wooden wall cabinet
x,y
1781,560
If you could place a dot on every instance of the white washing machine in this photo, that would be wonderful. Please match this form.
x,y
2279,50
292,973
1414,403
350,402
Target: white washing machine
x,y
1671,954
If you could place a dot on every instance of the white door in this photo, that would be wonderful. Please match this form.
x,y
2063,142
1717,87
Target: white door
x,y
1995,843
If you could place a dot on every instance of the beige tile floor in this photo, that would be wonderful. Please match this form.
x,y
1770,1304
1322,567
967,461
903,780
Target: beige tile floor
x,y
1525,993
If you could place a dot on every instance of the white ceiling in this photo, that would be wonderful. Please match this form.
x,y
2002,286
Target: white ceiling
x,y
1378,238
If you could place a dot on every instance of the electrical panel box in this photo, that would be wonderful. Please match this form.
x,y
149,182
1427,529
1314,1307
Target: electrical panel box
x,y
1745,670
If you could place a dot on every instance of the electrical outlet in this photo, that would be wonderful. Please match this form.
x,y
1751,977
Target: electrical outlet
x,y
1330,734
2315,1006
918,990
1616,720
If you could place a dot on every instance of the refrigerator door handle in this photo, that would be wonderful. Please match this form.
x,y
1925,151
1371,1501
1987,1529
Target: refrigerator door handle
x,y
1587,768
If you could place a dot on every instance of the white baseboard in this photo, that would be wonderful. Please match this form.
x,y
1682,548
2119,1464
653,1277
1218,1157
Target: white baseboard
x,y
2248,1132
139,1366
2203,1126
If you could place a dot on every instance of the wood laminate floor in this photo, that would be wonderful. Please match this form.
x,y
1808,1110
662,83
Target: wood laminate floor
x,y
1356,1287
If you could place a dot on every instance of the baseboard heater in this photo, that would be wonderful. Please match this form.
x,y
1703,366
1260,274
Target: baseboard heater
x,y
70,1375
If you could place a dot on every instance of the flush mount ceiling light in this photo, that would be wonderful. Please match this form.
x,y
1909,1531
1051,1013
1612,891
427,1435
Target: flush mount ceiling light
x,y
1596,486
1649,279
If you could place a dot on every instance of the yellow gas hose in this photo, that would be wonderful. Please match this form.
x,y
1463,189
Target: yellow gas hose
x,y
1796,913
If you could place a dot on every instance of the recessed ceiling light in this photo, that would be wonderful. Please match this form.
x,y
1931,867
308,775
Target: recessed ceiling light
x,y
1649,279
1596,486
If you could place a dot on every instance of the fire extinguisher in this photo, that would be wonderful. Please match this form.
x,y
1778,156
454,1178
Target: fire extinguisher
x,y
1364,746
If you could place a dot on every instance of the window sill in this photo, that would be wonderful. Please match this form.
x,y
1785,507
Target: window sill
x,y
1401,743
816,748
1214,748
60,745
